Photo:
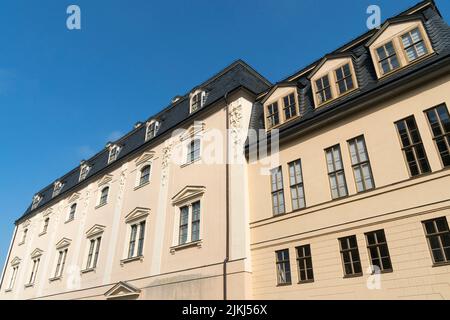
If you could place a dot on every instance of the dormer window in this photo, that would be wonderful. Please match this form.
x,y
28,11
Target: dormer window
x,y
57,188
323,90
289,106
387,58
344,79
152,130
273,117
281,104
414,45
397,44
198,99
36,200
114,151
84,170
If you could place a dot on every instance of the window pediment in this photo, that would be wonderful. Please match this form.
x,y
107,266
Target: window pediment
x,y
95,230
15,261
36,253
122,290
281,104
105,180
47,212
137,213
74,197
196,129
64,242
146,156
188,193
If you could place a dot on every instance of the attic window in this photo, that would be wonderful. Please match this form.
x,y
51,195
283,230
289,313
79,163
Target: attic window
x,y
414,45
57,188
114,151
198,99
273,117
152,129
36,200
344,79
387,58
85,168
323,90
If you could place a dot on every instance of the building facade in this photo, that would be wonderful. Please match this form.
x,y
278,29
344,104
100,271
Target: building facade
x,y
351,200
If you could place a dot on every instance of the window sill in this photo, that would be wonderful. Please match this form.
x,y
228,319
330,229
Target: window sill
x,y
55,279
42,233
70,220
284,284
87,270
197,244
190,162
21,243
29,285
442,264
141,186
356,275
8,290
101,205
306,281
133,259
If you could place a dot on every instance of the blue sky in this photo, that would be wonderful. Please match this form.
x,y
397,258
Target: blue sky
x,y
64,94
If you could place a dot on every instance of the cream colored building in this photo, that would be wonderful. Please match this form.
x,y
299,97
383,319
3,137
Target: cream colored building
x,y
352,203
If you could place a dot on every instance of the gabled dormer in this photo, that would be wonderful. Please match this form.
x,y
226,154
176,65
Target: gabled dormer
x,y
152,129
84,170
197,100
399,43
36,200
114,150
332,78
281,104
57,188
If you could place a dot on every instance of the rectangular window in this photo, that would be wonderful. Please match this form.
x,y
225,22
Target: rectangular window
x,y
304,262
13,277
140,249
152,130
137,235
193,151
414,45
387,58
132,245
344,79
361,165
378,251
184,222
61,263
439,121
34,270
336,172
277,191
412,146
296,183
323,90
283,267
438,236
350,256
290,106
195,236
273,117
94,250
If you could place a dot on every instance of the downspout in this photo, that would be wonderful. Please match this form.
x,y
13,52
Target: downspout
x,y
7,257
227,201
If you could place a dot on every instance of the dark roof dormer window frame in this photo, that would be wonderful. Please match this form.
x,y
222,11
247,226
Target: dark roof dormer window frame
x,y
333,78
399,43
197,100
281,105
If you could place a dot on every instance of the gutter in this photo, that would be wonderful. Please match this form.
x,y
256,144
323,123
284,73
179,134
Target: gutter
x,y
7,257
227,199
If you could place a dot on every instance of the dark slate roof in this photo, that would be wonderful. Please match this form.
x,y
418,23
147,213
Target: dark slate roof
x,y
237,75
439,34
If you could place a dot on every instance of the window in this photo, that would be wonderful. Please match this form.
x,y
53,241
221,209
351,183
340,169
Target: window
x,y
57,188
277,191
296,182
198,100
283,267
24,236
62,255
439,121
145,175
414,45
152,130
412,146
273,117
189,213
113,153
72,211
350,256
323,90
36,200
193,151
378,251
45,227
12,280
387,58
137,235
104,196
94,248
336,173
289,106
304,262
361,165
438,236
84,170
344,79
34,271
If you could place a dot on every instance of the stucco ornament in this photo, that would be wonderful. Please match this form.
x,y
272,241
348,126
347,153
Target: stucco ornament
x,y
167,154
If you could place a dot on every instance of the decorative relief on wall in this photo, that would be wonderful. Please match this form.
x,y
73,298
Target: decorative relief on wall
x,y
167,154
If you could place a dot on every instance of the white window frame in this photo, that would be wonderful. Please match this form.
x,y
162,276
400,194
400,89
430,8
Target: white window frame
x,y
100,192
36,200
57,187
35,259
114,151
139,174
15,264
62,250
202,100
135,217
69,212
84,171
156,124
